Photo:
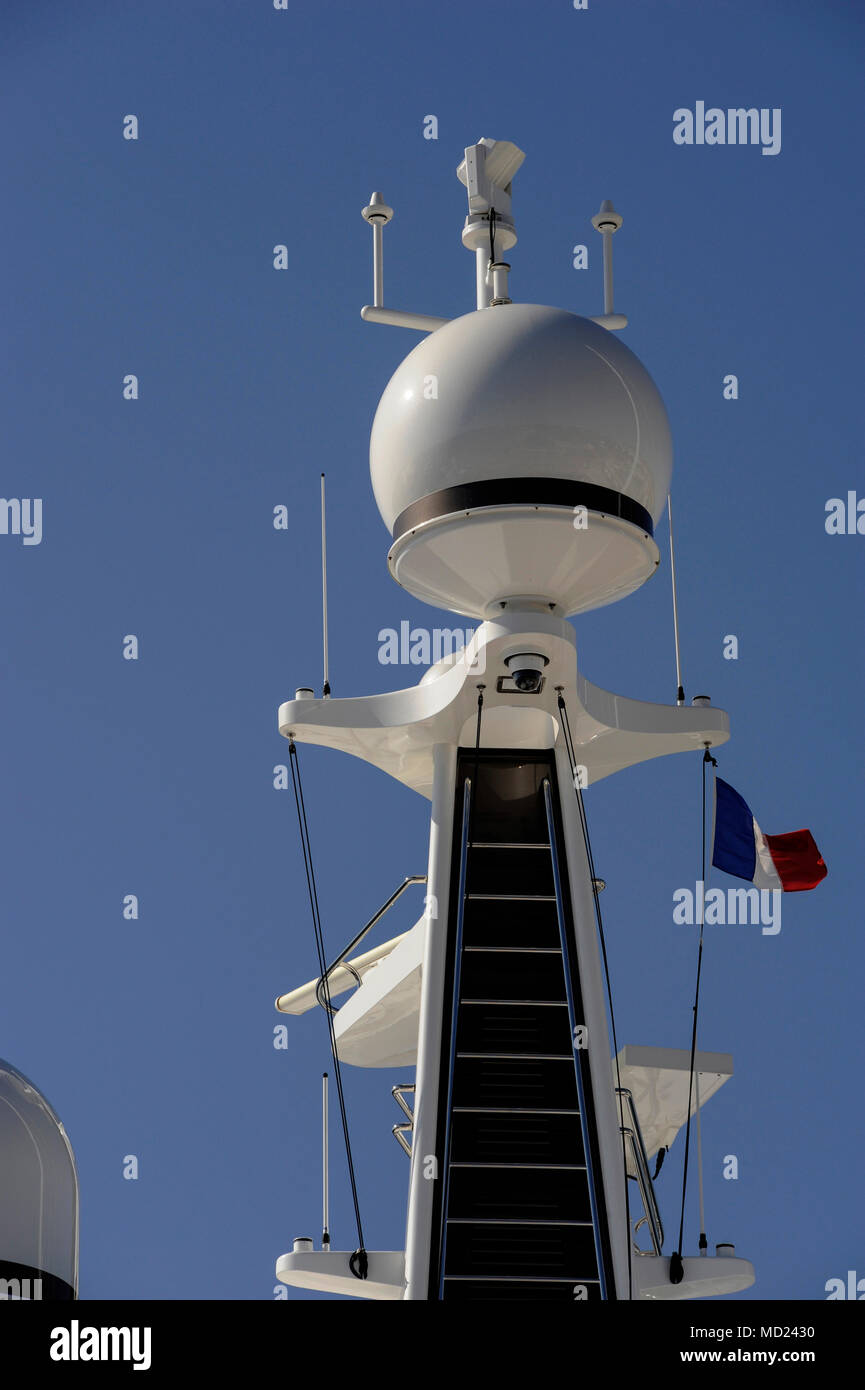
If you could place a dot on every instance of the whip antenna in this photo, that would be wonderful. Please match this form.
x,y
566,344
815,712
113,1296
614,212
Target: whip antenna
x,y
326,686
325,1167
704,1244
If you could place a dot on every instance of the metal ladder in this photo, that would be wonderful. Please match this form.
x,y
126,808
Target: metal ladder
x,y
519,1213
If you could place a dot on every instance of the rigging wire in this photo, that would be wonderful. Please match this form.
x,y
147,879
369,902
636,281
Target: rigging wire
x,y
677,1268
358,1263
473,802
584,825
474,778
469,785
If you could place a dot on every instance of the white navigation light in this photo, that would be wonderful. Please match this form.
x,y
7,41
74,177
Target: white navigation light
x,y
522,453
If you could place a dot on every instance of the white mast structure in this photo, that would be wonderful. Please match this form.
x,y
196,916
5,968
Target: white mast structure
x,y
520,458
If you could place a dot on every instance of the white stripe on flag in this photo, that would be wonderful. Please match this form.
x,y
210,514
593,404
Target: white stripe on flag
x,y
765,873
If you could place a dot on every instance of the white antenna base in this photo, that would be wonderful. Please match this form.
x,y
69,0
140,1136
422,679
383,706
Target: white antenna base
x,y
612,322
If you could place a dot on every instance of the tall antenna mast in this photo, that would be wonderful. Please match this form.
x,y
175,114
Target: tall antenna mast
x,y
326,686
485,500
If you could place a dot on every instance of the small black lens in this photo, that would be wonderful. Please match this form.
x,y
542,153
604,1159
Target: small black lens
x,y
528,682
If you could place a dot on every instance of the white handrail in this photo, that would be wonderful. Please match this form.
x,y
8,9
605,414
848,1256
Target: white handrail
x,y
300,1000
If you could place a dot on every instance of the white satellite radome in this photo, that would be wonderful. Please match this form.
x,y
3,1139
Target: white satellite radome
x,y
521,452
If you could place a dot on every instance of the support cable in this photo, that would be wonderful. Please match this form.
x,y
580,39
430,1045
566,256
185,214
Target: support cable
x,y
677,1268
481,689
358,1263
584,825
470,797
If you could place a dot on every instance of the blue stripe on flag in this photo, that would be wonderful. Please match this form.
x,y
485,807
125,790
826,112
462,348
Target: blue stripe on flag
x,y
734,850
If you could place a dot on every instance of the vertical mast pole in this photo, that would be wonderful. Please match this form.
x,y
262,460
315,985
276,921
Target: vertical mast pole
x,y
608,271
484,293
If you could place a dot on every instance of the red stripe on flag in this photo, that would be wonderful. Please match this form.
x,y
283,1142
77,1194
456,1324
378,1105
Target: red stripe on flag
x,y
799,862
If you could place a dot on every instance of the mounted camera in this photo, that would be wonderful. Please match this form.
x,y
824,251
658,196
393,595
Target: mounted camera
x,y
525,673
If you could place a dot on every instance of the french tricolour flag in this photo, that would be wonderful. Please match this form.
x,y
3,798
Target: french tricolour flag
x,y
791,862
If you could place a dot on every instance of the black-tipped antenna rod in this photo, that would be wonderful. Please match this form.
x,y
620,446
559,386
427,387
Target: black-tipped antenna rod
x,y
326,686
704,1245
680,692
325,1168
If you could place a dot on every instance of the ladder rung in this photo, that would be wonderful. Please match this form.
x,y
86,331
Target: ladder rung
x,y
510,1221
519,1056
508,1110
528,1167
512,897
521,1003
519,1279
517,950
509,844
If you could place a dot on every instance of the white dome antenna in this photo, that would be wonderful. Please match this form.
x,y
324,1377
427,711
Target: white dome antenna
x,y
537,476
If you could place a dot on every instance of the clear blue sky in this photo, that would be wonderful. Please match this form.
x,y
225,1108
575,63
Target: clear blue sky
x,y
154,257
